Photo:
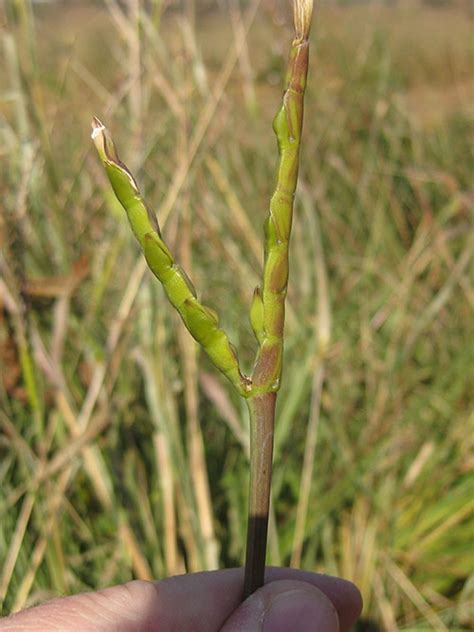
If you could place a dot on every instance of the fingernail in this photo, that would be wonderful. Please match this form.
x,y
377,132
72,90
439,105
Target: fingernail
x,y
300,610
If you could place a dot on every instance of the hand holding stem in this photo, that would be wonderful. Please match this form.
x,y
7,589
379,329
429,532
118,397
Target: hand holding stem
x,y
267,312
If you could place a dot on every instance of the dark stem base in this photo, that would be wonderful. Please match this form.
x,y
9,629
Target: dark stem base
x,y
262,419
256,552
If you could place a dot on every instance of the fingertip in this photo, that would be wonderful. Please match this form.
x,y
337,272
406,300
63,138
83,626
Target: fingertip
x,y
285,605
352,605
299,607
344,594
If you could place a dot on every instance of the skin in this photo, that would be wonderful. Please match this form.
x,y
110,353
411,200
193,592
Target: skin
x,y
202,602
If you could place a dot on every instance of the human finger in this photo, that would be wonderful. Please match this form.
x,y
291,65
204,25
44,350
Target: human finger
x,y
198,602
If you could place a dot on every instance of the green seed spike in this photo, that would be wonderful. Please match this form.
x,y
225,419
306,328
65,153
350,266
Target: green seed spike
x,y
287,126
201,321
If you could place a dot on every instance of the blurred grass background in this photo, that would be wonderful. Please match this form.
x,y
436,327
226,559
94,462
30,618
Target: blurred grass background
x,y
122,454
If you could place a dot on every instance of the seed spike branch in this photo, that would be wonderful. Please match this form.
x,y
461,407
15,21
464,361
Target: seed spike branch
x,y
287,126
267,313
201,321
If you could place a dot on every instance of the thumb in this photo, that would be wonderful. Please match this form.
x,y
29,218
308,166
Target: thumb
x,y
285,605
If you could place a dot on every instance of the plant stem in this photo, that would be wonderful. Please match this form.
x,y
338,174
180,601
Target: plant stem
x,y
262,418
267,313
